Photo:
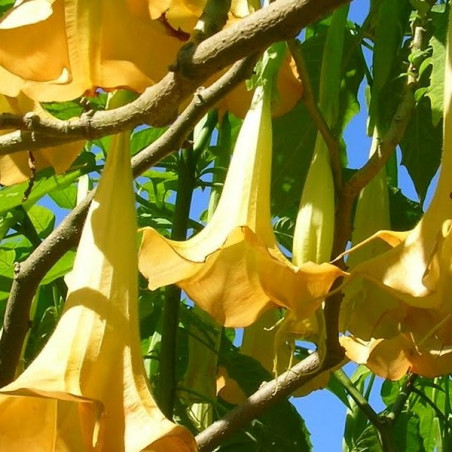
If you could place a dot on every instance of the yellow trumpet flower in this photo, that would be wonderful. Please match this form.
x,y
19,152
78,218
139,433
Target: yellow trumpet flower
x,y
233,268
87,390
57,50
419,346
419,269
402,320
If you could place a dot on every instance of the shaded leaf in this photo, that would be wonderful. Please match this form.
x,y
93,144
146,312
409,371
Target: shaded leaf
x,y
404,212
438,42
61,268
421,147
406,432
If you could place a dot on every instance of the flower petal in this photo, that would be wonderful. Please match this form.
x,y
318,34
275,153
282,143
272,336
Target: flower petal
x,y
82,38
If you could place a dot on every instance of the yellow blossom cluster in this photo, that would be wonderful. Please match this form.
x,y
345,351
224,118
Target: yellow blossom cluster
x,y
87,389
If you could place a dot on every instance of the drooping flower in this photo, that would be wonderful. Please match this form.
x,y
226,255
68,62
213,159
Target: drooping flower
x,y
87,390
233,268
15,167
401,320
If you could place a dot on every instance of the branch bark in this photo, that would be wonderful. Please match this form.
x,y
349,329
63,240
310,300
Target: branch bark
x,y
268,395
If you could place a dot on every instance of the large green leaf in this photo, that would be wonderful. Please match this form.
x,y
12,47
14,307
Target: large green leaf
x,y
42,218
367,441
428,429
66,198
404,212
421,147
391,23
406,432
61,268
7,259
144,137
439,20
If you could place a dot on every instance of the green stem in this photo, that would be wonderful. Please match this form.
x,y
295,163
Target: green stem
x,y
221,162
168,353
358,398
382,424
400,402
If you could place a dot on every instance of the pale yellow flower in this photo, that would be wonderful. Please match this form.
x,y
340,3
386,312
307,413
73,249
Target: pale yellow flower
x,y
233,268
401,313
87,390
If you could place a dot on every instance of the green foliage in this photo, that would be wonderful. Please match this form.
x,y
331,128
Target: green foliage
x,y
422,146
439,18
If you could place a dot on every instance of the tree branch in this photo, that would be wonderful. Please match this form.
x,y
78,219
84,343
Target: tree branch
x,y
264,398
159,104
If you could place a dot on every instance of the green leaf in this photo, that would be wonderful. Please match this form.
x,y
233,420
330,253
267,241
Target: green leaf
x,y
7,259
61,268
66,198
422,6
294,137
5,5
435,92
427,427
390,391
406,432
421,147
42,218
64,110
330,75
391,23
144,137
46,182
8,220
367,441
404,212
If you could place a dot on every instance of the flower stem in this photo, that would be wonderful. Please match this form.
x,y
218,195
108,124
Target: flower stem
x,y
167,379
